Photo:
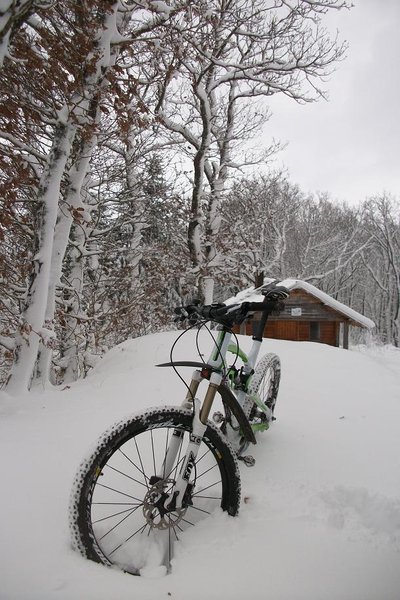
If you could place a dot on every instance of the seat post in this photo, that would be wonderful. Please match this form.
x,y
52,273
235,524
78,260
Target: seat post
x,y
259,326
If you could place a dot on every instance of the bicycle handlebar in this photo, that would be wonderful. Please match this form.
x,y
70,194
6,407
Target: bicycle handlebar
x,y
234,313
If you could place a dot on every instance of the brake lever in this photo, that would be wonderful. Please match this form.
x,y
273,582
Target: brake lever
x,y
183,314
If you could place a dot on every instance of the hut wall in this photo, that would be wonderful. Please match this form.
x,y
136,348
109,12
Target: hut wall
x,y
304,318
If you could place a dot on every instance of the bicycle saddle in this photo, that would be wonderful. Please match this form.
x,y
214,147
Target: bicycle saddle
x,y
274,292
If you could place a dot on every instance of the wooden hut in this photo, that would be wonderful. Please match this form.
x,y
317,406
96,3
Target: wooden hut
x,y
309,315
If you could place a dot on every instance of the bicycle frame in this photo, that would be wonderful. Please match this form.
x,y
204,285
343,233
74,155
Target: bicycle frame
x,y
217,372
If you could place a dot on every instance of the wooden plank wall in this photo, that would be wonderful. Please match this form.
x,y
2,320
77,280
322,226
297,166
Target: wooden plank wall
x,y
311,308
286,326
300,331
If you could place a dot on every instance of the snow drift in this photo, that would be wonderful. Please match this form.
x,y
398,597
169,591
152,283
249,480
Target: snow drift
x,y
320,515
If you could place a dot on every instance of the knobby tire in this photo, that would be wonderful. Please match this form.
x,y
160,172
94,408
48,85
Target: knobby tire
x,y
110,497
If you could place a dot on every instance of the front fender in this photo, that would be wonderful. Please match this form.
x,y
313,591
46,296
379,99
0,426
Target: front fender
x,y
189,363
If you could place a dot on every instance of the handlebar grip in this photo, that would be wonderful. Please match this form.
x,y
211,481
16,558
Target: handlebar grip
x,y
214,311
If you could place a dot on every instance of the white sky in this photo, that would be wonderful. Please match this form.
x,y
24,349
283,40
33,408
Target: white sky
x,y
349,146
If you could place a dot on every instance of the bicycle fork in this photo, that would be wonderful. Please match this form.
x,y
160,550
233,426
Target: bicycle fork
x,y
199,425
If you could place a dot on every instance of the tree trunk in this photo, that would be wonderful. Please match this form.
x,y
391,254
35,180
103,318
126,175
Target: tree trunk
x,y
31,331
72,208
73,316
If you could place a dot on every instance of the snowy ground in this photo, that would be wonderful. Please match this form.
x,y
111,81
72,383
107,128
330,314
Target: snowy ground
x,y
321,518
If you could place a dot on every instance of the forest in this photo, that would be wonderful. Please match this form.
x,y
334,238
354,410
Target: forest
x,y
133,179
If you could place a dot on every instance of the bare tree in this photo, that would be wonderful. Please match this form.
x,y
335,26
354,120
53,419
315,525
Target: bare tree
x,y
74,48
231,53
271,227
381,261
13,15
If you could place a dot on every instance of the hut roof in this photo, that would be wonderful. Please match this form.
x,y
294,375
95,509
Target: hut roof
x,y
251,295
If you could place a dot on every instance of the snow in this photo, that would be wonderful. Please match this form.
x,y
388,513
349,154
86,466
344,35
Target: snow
x,y
160,7
320,514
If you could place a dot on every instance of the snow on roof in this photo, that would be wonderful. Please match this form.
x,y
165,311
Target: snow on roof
x,y
251,295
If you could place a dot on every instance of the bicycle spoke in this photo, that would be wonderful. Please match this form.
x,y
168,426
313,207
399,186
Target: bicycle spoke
x,y
117,503
153,452
208,497
180,462
132,463
206,488
121,512
118,492
176,515
201,457
119,523
169,549
208,470
172,526
140,530
141,463
165,452
186,521
179,527
200,509
126,475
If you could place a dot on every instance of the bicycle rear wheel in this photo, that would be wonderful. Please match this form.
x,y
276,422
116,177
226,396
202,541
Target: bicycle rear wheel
x,y
118,511
265,382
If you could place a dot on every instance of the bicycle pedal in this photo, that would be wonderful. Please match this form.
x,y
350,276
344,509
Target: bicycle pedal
x,y
248,460
262,416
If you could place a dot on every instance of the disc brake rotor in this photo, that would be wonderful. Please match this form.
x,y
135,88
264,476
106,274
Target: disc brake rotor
x,y
155,506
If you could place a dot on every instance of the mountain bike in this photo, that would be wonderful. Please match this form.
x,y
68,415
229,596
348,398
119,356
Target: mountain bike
x,y
155,474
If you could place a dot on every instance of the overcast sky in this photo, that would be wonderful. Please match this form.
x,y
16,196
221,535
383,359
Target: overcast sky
x,y
350,145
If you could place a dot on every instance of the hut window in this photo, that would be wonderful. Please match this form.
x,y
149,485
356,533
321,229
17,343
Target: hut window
x,y
315,331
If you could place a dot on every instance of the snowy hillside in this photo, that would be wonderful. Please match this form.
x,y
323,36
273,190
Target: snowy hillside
x,y
320,515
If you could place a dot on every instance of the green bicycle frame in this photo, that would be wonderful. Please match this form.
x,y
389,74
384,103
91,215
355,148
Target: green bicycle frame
x,y
235,349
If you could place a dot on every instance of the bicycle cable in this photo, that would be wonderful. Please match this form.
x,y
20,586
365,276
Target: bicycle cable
x,y
215,344
219,349
199,325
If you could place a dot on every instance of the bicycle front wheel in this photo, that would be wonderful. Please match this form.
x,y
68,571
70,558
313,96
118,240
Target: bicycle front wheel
x,y
120,513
